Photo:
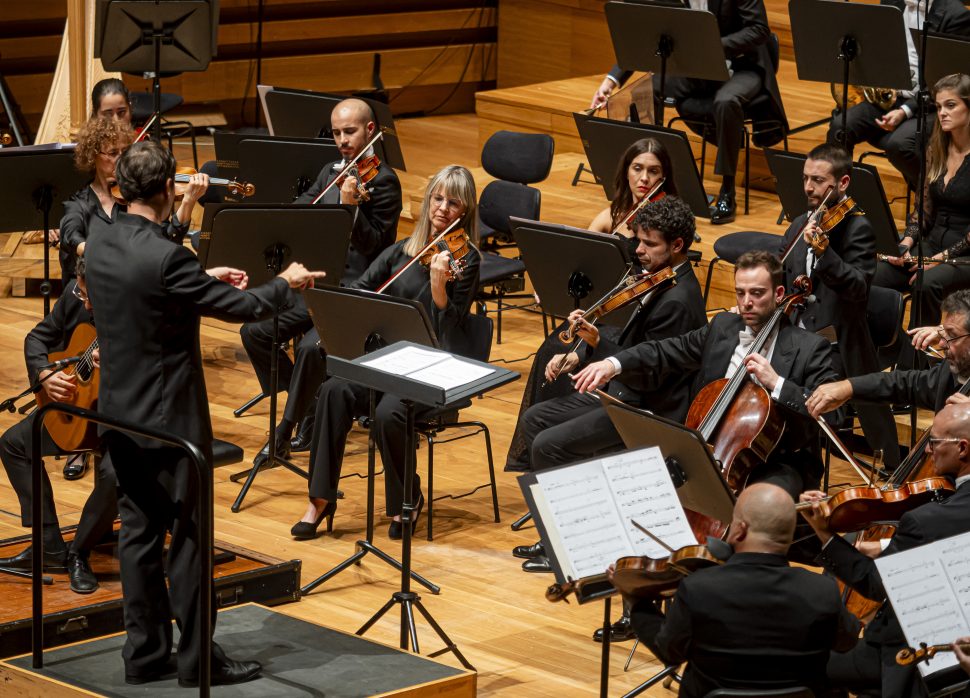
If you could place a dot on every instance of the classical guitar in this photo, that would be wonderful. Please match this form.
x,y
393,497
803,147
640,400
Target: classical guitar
x,y
68,432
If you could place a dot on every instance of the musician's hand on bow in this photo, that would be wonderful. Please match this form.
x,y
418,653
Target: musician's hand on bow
x,y
891,119
962,656
298,276
926,337
602,94
54,236
349,193
234,277
869,548
557,366
759,367
828,397
595,375
814,515
586,330
60,387
958,399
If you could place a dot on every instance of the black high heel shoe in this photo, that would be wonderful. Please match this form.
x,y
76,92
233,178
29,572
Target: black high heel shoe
x,y
308,531
395,531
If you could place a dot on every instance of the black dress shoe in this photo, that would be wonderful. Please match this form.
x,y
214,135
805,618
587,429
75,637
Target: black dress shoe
x,y
723,211
53,562
303,530
396,531
620,631
537,564
227,672
262,458
528,552
79,572
304,436
76,467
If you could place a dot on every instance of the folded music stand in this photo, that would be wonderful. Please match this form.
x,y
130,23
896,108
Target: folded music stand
x,y
666,40
281,171
262,242
605,141
38,177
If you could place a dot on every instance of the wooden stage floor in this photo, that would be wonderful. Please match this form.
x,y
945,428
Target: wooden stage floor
x,y
521,644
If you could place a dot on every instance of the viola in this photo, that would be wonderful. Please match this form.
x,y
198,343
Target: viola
x,y
654,194
923,653
182,177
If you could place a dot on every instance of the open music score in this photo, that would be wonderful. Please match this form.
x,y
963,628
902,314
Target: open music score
x,y
929,588
588,509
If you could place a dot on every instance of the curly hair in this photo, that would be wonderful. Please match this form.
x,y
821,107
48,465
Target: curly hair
x,y
95,136
670,217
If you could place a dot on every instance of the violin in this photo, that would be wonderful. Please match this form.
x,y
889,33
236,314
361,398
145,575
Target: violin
x,y
654,194
450,240
634,287
183,176
923,653
831,218
363,168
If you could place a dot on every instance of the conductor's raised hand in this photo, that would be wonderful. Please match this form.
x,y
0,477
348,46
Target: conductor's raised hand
x,y
298,276
235,277
596,375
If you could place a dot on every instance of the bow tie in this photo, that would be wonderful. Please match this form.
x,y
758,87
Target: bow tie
x,y
746,338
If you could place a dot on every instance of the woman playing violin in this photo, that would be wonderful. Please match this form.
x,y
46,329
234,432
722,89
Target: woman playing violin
x,y
449,199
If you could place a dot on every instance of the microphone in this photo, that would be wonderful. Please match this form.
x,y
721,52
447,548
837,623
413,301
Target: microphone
x,y
62,363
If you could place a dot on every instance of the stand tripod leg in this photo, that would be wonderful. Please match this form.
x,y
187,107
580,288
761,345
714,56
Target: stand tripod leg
x,y
430,586
449,645
408,629
326,576
376,617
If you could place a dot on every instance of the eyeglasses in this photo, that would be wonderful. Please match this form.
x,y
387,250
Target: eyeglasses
x,y
79,294
110,153
946,340
934,440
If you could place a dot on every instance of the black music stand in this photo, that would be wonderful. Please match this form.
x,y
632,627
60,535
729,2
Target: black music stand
x,y
227,148
865,186
263,242
142,36
306,114
413,391
352,323
647,38
38,177
585,266
605,141
850,43
944,55
283,170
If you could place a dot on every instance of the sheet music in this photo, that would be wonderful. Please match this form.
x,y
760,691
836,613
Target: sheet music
x,y
451,373
406,360
929,589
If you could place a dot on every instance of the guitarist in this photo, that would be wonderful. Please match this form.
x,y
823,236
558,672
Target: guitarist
x,y
53,334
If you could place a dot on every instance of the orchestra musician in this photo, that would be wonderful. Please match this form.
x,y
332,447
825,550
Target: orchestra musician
x,y
450,196
755,620
946,219
644,165
840,261
148,294
871,666
893,130
375,228
797,362
930,388
743,25
110,100
53,334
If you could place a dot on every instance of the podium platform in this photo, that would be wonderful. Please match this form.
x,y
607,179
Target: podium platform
x,y
298,658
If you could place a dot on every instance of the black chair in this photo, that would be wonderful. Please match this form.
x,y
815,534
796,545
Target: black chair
x,y
794,692
731,246
761,122
479,333
516,160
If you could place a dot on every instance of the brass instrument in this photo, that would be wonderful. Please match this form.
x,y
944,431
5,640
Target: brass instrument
x,y
882,97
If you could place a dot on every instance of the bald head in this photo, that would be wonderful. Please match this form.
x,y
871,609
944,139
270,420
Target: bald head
x,y
950,440
352,124
355,109
764,520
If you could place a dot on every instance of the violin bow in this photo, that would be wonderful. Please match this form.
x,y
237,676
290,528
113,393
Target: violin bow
x,y
869,478
346,168
816,214
640,204
662,544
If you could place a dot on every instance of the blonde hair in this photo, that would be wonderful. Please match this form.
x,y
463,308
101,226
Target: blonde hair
x,y
95,136
453,181
937,151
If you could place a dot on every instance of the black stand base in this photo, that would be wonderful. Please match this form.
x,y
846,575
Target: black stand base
x,y
24,575
364,547
410,601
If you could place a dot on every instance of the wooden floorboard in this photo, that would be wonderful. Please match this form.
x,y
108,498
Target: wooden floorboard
x,y
521,644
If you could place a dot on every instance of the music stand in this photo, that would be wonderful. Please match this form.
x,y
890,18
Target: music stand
x,y
944,55
283,170
306,114
413,391
646,37
605,141
585,265
262,242
865,186
140,36
226,144
38,177
850,43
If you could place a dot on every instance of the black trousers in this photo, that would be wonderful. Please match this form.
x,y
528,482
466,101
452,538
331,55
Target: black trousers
x,y
300,378
159,495
899,144
729,98
339,402
101,507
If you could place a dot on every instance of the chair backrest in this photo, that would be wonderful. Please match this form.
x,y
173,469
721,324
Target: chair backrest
x,y
499,200
478,331
525,158
773,51
795,692
884,315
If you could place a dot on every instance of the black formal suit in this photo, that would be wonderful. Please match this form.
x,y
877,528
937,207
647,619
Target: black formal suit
x,y
753,622
840,283
928,388
573,427
883,637
53,334
375,229
800,357
148,295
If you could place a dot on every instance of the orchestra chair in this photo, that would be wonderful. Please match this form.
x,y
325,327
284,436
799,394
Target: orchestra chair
x,y
882,154
225,453
761,122
143,106
794,692
731,246
431,425
516,160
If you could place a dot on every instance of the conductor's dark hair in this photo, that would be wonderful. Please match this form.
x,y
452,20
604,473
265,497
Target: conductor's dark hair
x,y
670,217
834,155
143,169
108,86
760,258
958,303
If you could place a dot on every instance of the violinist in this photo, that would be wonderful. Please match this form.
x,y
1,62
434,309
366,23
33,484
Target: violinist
x,y
796,362
449,197
375,228
755,620
110,100
871,665
840,261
